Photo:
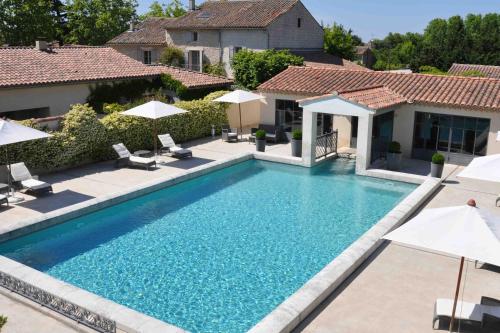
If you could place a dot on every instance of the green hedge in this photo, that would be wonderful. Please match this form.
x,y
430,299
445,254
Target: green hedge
x,y
84,138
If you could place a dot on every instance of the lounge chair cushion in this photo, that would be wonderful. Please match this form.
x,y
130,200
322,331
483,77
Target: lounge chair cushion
x,y
141,160
20,172
34,184
121,150
169,143
465,311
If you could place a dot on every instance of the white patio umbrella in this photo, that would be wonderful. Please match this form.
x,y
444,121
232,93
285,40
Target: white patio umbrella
x,y
11,132
239,97
464,231
154,110
483,168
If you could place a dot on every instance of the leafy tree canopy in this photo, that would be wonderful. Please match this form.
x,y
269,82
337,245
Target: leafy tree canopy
x,y
474,40
253,68
341,42
172,56
94,22
173,9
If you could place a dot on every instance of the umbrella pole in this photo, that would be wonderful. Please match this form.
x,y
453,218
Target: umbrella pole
x,y
456,294
154,138
241,126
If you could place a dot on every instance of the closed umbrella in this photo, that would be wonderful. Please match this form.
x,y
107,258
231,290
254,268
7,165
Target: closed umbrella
x,y
239,97
483,168
11,132
154,110
464,231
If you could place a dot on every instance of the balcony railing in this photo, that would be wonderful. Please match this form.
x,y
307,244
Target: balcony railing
x,y
326,144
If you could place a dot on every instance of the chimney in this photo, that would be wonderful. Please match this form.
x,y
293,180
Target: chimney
x,y
41,45
132,26
192,4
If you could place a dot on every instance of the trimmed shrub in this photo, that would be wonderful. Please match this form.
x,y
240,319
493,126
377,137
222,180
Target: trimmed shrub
x,y
260,135
172,56
438,158
84,138
394,147
297,134
214,69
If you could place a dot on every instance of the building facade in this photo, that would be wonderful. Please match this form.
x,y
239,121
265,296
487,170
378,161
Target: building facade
x,y
213,32
459,117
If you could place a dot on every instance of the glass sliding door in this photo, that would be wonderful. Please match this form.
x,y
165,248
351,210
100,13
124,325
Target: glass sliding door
x,y
382,134
458,138
288,115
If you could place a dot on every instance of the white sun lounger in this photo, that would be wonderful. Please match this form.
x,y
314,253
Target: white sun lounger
x,y
169,145
488,310
130,160
3,200
21,175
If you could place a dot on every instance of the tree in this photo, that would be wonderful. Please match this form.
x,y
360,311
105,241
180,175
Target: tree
x,y
340,42
173,9
252,68
94,22
172,56
24,21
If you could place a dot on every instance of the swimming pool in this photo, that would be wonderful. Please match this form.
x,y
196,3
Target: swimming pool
x,y
219,252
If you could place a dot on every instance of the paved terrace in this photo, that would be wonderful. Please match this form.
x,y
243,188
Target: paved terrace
x,y
393,292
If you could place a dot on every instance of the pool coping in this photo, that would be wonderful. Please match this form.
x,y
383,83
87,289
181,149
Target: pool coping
x,y
284,318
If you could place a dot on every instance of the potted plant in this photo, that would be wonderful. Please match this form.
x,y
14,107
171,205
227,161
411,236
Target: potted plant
x,y
394,156
297,143
260,140
437,165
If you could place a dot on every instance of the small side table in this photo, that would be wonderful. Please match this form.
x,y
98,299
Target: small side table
x,y
143,153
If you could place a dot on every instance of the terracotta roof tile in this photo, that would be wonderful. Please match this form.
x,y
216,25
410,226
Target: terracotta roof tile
x,y
31,67
151,31
249,14
488,71
376,98
462,92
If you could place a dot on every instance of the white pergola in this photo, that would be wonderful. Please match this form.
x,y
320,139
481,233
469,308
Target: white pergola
x,y
336,105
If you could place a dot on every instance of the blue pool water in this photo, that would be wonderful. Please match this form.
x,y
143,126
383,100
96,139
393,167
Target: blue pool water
x,y
219,252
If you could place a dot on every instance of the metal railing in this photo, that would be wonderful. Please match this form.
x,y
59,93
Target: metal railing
x,y
326,144
57,304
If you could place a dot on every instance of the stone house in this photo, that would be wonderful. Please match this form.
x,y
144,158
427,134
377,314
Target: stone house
x,y
213,32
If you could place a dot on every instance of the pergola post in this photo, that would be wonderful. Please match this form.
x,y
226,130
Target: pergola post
x,y
309,134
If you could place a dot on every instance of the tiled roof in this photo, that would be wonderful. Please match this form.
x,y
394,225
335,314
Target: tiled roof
x,y
193,79
30,67
248,14
151,31
323,59
488,71
461,92
376,98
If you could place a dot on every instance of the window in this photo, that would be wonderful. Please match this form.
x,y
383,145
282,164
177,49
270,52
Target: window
x,y
195,61
195,36
147,57
449,134
299,22
288,115
26,114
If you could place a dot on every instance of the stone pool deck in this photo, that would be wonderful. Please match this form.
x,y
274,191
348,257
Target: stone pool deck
x,y
395,290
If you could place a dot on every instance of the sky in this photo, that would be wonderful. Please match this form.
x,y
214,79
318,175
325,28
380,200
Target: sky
x,y
376,18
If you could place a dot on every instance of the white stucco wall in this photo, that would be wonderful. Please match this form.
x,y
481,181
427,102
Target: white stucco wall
x,y
404,120
136,51
57,98
284,32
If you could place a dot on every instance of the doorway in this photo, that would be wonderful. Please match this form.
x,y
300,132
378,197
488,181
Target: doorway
x,y
382,135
